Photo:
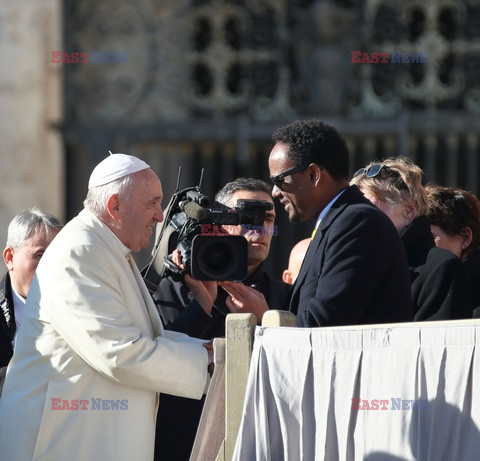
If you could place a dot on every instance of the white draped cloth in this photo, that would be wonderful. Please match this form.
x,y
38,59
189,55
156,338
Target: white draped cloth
x,y
388,392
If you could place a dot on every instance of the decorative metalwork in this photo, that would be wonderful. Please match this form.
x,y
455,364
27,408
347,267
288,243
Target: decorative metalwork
x,y
446,31
185,58
207,81
237,60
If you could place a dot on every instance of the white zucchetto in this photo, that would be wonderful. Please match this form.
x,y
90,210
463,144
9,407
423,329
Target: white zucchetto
x,y
113,167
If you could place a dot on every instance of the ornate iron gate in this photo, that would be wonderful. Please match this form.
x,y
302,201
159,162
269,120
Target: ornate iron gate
x,y
207,81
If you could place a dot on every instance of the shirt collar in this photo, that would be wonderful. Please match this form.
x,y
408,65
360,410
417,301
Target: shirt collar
x,y
124,249
327,208
17,298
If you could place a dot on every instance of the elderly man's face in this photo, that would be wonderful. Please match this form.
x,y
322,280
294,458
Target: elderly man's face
x,y
23,262
141,210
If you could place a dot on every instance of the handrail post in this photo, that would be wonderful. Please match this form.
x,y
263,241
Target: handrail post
x,y
240,330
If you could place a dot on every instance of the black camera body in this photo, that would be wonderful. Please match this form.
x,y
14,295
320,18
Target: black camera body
x,y
194,227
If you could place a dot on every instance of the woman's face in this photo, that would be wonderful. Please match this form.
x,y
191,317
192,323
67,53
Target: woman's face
x,y
394,211
450,242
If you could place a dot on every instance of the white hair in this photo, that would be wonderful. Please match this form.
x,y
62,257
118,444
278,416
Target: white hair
x,y
26,223
96,200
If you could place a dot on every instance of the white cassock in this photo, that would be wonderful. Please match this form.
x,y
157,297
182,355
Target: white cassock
x,y
91,356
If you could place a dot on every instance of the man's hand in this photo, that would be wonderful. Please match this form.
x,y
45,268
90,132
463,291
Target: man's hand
x,y
211,363
244,299
204,292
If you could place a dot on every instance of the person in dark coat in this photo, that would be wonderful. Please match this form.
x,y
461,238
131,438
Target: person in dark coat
x,y
454,216
29,233
440,289
178,418
7,324
355,270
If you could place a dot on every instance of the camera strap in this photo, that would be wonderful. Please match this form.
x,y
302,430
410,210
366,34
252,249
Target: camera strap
x,y
154,271
165,240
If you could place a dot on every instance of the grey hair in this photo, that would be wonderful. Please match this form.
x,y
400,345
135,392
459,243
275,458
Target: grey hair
x,y
96,200
26,223
224,195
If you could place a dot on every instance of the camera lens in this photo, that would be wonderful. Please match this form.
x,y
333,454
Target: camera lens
x,y
219,257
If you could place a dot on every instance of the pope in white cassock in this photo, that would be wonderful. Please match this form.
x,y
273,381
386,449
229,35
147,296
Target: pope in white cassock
x,y
92,356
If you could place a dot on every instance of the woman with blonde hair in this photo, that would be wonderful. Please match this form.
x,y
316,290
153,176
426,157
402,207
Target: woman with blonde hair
x,y
454,216
439,283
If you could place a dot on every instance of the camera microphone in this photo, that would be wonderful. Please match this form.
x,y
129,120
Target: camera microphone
x,y
193,210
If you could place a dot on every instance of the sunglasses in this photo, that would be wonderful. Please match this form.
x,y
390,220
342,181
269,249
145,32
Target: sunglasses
x,y
278,180
374,170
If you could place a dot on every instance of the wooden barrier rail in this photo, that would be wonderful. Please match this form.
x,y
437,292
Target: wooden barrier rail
x,y
229,382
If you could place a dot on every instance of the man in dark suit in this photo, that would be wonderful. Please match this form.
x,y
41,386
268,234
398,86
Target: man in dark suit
x,y
355,270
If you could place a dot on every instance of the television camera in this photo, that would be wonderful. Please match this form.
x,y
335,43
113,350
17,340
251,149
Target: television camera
x,y
206,255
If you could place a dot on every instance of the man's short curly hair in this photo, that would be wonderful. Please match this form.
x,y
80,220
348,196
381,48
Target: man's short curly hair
x,y
312,141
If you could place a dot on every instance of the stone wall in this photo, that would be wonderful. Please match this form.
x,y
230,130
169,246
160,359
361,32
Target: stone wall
x,y
31,147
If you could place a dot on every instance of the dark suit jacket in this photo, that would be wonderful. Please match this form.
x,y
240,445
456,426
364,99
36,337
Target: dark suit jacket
x,y
7,326
7,321
472,266
355,270
440,285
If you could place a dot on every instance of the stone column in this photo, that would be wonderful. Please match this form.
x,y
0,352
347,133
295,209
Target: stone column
x,y
31,148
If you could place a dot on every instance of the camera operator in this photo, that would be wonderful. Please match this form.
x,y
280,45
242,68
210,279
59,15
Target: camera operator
x,y
199,309
195,307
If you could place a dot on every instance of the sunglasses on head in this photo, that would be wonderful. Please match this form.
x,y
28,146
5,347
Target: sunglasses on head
x,y
374,170
278,180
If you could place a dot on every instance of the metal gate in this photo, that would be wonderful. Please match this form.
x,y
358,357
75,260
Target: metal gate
x,y
203,83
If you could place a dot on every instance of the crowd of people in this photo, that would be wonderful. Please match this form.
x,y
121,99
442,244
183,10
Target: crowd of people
x,y
94,341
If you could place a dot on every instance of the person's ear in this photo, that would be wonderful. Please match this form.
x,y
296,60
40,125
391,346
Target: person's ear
x,y
467,236
8,257
113,206
287,277
315,174
409,211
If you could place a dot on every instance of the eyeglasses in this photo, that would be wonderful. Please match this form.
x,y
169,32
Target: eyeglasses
x,y
277,180
374,170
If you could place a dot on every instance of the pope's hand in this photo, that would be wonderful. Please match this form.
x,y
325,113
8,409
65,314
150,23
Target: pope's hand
x,y
211,364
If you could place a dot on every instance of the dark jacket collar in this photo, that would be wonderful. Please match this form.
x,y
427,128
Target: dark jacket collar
x,y
255,277
417,231
472,263
351,195
7,313
418,241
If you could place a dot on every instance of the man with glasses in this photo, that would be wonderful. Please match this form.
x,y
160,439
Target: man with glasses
x,y
355,270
